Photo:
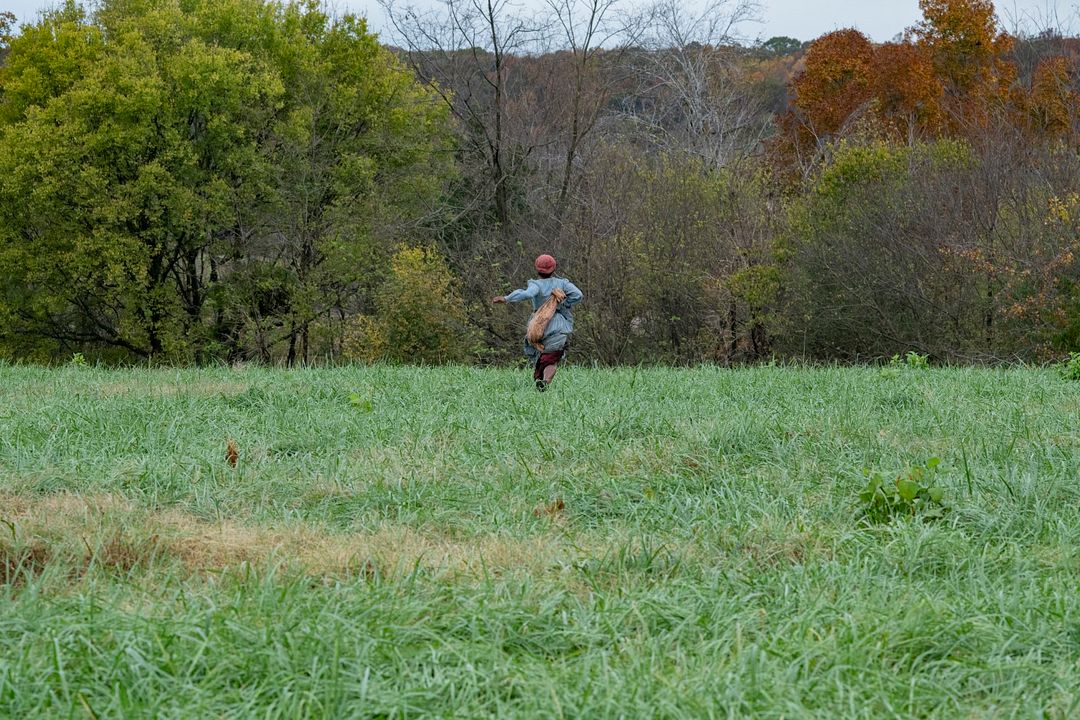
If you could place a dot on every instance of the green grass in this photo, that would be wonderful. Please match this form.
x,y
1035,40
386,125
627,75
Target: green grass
x,y
383,547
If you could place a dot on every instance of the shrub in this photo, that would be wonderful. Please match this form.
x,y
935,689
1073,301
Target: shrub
x,y
363,340
1070,369
911,359
420,317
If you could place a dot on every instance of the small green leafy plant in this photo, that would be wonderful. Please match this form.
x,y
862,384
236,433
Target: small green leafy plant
x,y
912,495
360,403
911,359
1070,369
78,360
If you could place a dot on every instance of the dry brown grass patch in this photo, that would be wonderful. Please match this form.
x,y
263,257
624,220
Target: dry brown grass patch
x,y
60,508
17,564
389,551
168,389
109,531
794,549
120,551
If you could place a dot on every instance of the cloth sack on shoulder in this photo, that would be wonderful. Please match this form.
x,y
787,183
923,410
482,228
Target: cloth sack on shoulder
x,y
538,323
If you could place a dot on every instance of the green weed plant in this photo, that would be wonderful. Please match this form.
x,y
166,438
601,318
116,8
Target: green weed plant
x,y
912,494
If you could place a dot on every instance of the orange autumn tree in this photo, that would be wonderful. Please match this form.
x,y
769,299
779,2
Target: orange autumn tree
x,y
893,87
837,80
953,75
1053,106
835,85
907,90
949,76
970,57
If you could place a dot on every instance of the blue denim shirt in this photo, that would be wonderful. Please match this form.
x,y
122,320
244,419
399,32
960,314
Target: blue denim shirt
x,y
562,324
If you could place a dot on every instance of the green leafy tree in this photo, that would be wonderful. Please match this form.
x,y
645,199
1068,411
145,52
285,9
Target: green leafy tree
x,y
781,45
361,154
181,179
117,179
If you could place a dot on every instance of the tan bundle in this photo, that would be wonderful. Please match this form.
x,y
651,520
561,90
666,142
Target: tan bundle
x,y
538,323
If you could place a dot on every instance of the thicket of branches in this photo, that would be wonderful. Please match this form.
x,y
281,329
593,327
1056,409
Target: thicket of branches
x,y
191,181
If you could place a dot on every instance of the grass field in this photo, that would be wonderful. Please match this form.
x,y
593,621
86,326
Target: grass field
x,y
448,542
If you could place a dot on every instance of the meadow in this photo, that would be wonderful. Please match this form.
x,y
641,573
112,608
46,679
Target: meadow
x,y
447,542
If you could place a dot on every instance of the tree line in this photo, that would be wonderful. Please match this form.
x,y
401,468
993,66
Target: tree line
x,y
228,180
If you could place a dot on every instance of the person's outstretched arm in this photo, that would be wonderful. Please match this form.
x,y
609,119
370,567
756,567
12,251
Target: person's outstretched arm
x,y
519,295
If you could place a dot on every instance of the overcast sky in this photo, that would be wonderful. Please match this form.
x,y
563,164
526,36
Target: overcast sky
x,y
802,19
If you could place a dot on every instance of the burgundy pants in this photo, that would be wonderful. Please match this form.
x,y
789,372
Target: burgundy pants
x,y
547,360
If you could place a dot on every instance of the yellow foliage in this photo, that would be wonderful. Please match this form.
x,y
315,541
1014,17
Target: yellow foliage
x,y
1064,210
364,340
420,316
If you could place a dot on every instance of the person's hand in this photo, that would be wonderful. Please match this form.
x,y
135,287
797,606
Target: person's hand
x,y
498,299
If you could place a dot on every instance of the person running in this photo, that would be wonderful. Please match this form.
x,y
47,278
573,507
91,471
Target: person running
x,y
557,334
